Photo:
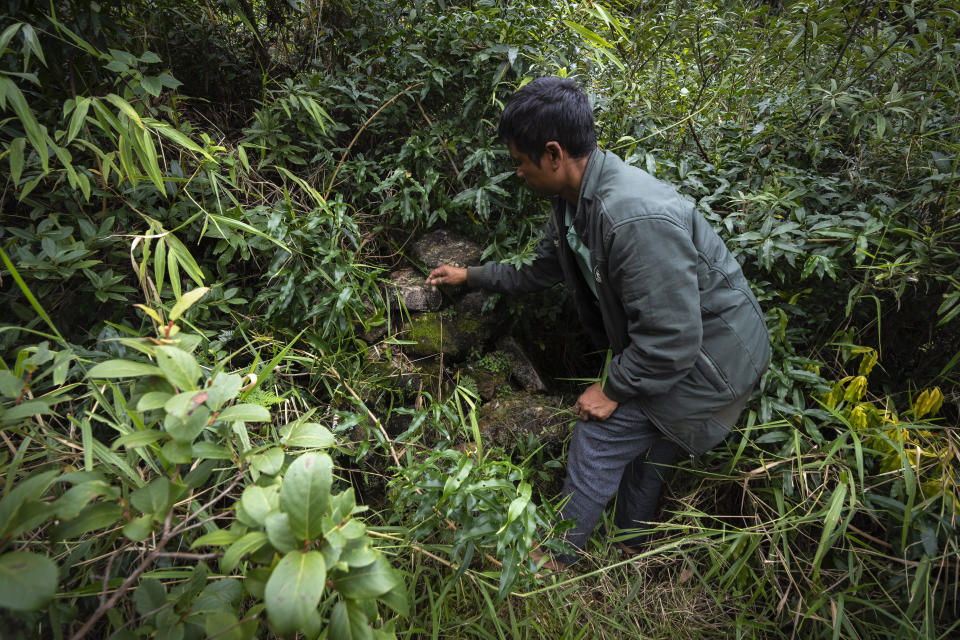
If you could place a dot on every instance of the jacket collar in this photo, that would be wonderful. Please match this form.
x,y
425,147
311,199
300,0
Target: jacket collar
x,y
589,184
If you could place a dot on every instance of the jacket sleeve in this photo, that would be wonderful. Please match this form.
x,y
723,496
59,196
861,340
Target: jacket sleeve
x,y
544,272
652,266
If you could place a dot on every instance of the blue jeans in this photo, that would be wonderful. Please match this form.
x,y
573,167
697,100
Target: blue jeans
x,y
624,456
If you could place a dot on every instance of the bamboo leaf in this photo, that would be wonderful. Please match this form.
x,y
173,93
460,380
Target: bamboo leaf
x,y
159,265
126,160
243,226
16,159
30,38
126,108
829,524
180,138
8,34
173,270
36,133
186,301
150,161
185,259
78,118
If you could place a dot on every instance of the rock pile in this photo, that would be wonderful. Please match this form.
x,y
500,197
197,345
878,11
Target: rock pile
x,y
446,337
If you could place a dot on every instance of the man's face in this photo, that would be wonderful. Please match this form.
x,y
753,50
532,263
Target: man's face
x,y
542,180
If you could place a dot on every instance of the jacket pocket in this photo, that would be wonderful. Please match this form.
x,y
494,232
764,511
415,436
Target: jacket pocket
x,y
713,375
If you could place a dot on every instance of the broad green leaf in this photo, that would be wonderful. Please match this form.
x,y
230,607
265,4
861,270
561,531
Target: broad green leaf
x,y
99,515
210,451
269,462
396,599
122,369
10,385
185,430
177,452
186,301
168,627
153,400
27,580
278,530
25,491
309,435
152,85
305,494
126,160
244,413
370,581
138,439
358,553
139,528
154,498
294,589
349,622
258,502
218,538
69,505
29,516
185,403
218,595
149,595
247,544
179,367
224,625
225,387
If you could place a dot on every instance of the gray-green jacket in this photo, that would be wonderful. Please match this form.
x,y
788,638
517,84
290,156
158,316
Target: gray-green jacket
x,y
688,337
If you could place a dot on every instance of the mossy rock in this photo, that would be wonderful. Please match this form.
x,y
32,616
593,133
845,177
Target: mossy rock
x,y
452,334
509,419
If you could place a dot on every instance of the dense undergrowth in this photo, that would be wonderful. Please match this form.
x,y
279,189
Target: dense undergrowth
x,y
200,201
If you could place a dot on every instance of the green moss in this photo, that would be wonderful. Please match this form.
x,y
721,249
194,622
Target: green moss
x,y
428,331
495,362
468,324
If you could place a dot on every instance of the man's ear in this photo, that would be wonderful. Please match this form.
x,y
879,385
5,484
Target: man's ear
x,y
554,153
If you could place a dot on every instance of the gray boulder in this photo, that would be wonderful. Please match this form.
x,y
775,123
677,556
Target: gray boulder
x,y
407,289
442,247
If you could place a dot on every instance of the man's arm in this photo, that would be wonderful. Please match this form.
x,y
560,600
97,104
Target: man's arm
x,y
542,273
447,274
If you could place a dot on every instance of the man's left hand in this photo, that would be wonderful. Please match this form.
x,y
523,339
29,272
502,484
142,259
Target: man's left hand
x,y
593,404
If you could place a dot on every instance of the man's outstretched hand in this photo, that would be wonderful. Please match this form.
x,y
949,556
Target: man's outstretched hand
x,y
447,274
593,404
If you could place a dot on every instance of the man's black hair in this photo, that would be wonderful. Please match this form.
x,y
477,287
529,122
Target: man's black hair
x,y
548,109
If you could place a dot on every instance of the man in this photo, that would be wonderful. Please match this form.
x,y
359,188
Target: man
x,y
653,283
